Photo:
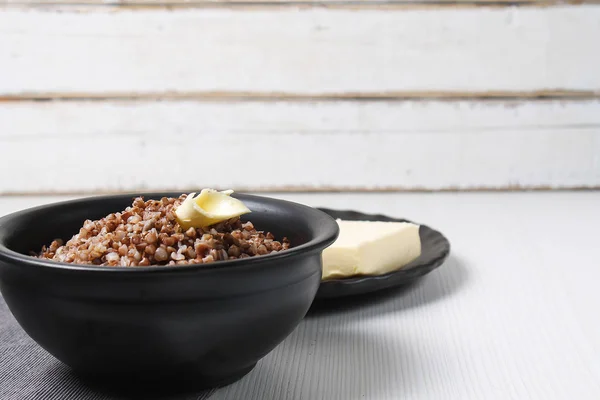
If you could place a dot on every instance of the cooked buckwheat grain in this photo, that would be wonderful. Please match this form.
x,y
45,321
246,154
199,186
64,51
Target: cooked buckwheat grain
x,y
147,233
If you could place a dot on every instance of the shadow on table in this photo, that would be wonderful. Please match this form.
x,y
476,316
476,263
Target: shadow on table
x,y
439,284
60,380
346,364
336,354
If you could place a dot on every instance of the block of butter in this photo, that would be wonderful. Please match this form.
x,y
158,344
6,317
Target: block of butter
x,y
371,248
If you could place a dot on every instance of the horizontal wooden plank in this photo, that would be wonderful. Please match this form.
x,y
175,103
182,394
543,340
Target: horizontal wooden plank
x,y
397,145
307,52
92,6
334,3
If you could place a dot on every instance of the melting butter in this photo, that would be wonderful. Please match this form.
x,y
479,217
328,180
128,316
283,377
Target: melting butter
x,y
208,208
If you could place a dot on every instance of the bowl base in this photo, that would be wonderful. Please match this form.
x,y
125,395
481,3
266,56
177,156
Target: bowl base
x,y
150,387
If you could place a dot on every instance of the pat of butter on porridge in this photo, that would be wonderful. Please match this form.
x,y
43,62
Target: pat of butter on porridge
x,y
371,248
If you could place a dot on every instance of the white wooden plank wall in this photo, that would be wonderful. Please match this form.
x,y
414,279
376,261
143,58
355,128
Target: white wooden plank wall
x,y
130,95
299,145
311,51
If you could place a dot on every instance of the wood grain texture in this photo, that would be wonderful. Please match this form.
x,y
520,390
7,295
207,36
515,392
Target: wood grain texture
x,y
433,145
511,315
300,51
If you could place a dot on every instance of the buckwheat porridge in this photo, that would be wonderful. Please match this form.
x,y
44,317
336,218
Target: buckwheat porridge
x,y
169,231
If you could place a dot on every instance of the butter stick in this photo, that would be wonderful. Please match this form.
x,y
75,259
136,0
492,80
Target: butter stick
x,y
371,248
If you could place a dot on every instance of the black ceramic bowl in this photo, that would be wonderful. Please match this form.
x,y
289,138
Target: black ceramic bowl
x,y
206,325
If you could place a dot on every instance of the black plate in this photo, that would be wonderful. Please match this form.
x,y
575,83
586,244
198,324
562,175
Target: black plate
x,y
435,248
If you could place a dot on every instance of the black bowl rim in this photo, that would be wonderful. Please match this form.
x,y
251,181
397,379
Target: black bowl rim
x,y
325,237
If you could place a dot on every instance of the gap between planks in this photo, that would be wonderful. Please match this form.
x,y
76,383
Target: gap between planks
x,y
321,189
97,5
550,94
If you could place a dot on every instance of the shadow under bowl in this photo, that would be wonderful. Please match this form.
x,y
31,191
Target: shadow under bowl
x,y
199,325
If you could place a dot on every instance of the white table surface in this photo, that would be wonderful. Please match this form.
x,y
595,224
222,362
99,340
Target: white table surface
x,y
513,314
